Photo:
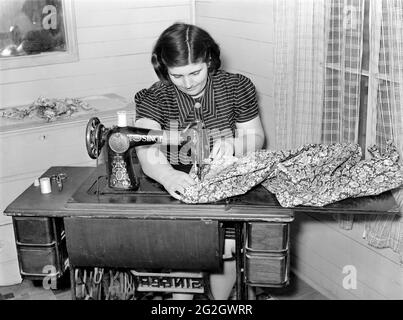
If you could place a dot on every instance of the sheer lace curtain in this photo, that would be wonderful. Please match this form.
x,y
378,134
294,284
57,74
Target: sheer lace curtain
x,y
386,74
324,49
343,71
319,66
385,107
343,76
299,59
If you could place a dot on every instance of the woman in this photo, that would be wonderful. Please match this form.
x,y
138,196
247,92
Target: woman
x,y
187,61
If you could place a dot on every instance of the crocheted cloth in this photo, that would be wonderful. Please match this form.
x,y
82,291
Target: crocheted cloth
x,y
49,109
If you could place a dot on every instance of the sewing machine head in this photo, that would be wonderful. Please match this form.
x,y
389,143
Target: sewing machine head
x,y
200,146
119,141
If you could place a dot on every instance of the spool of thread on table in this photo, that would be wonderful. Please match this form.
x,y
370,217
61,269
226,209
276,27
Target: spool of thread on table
x,y
45,185
36,182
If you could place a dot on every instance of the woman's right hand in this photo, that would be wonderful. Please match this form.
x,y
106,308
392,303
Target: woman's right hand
x,y
175,182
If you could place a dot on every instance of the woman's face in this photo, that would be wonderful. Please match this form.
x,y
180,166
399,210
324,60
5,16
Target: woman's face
x,y
190,79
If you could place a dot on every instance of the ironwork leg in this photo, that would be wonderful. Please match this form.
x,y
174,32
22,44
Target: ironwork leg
x,y
73,284
251,293
240,292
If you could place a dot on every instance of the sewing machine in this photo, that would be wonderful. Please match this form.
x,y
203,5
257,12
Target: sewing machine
x,y
123,171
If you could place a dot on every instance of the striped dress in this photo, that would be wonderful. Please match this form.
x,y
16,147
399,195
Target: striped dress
x,y
228,99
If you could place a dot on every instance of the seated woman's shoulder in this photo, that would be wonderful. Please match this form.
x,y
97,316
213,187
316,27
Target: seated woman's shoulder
x,y
231,75
159,87
233,79
155,90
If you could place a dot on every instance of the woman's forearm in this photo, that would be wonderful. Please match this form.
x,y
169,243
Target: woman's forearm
x,y
153,162
247,143
156,166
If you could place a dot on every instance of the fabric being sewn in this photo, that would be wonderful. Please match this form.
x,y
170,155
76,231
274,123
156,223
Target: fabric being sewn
x,y
311,175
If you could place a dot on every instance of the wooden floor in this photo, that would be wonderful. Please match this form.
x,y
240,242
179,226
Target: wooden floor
x,y
26,290
296,290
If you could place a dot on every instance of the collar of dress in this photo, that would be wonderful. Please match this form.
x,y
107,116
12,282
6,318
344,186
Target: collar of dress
x,y
185,104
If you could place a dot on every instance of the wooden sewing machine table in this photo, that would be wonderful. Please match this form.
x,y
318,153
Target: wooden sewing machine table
x,y
88,225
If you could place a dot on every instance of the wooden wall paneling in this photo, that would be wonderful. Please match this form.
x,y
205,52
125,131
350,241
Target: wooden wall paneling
x,y
322,250
58,87
350,250
247,55
10,188
327,277
83,67
130,32
356,234
124,90
111,16
43,148
108,5
267,116
115,48
9,271
244,30
255,11
322,283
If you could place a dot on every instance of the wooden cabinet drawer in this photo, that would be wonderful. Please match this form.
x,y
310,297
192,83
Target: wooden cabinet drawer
x,y
39,261
42,148
273,237
37,231
266,269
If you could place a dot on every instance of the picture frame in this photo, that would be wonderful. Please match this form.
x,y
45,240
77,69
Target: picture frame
x,y
50,57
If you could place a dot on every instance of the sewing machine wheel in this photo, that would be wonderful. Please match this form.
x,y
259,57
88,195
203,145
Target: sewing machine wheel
x,y
93,137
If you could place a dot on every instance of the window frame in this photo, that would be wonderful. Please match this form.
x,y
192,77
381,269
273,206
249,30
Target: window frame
x,y
47,58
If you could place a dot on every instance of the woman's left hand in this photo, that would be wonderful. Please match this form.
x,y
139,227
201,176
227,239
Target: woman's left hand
x,y
222,148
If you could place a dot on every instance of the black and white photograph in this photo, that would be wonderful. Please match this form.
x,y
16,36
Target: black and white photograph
x,y
230,154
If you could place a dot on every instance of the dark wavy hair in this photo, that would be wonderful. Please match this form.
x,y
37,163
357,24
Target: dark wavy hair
x,y
182,44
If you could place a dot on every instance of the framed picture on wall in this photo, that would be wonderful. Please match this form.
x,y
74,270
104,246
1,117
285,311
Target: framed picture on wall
x,y
37,32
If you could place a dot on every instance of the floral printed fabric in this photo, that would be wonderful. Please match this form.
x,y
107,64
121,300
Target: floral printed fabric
x,y
312,175
231,176
323,174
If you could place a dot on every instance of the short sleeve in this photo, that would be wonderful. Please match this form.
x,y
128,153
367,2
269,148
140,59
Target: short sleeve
x,y
245,100
148,105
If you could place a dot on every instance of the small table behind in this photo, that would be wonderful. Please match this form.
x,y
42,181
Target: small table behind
x,y
97,226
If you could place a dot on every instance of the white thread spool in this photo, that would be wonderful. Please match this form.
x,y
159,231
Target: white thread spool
x,y
36,182
122,119
45,185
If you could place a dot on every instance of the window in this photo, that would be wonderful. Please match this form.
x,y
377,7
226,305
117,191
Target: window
x,y
36,32
346,86
364,78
